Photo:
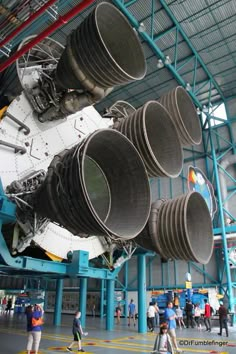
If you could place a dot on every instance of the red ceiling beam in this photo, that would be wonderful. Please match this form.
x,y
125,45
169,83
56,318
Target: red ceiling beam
x,y
58,23
27,22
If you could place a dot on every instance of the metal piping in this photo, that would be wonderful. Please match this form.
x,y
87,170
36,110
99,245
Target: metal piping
x,y
225,163
27,22
57,24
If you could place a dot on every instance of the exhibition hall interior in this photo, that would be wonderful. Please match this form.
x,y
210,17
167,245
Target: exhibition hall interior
x,y
117,176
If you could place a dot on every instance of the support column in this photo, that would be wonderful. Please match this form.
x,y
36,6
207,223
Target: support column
x,y
126,275
83,300
58,303
110,305
102,292
142,310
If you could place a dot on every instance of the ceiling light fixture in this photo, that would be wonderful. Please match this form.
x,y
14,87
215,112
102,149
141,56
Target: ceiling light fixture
x,y
198,111
167,60
160,64
142,27
188,86
204,108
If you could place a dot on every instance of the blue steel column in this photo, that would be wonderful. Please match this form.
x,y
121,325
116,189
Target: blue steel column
x,y
102,298
110,305
58,303
126,277
224,241
142,310
45,304
83,300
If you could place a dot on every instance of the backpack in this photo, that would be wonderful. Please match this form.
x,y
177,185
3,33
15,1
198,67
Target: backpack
x,y
37,321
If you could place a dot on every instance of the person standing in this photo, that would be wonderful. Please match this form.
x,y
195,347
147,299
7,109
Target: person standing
x,y
170,317
132,312
207,316
197,316
34,328
118,313
163,343
223,318
179,317
9,305
77,333
4,304
93,310
157,316
151,316
189,313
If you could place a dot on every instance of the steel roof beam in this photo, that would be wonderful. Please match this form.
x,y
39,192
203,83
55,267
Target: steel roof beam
x,y
185,37
147,38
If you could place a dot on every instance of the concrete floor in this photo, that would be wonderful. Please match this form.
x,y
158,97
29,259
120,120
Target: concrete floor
x,y
122,339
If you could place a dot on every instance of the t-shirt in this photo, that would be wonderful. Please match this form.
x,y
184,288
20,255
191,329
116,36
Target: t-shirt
x,y
151,311
222,312
197,311
37,314
207,310
132,308
179,312
76,325
163,342
169,313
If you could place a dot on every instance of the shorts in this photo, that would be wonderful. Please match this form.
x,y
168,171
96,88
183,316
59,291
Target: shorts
x,y
171,332
77,336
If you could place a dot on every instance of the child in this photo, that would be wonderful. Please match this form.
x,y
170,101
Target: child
x,y
118,313
179,318
163,343
77,332
197,316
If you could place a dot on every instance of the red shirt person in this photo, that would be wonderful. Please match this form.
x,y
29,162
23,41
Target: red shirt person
x,y
207,316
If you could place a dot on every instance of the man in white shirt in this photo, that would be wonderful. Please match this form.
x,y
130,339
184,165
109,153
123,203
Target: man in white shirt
x,y
151,316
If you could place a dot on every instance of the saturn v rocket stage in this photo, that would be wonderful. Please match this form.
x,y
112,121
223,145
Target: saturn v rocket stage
x,y
81,181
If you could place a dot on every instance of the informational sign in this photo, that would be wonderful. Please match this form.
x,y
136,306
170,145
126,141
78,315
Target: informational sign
x,y
188,285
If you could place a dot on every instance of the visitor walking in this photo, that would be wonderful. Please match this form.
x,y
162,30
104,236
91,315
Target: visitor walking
x,y
223,318
132,312
77,333
207,316
163,344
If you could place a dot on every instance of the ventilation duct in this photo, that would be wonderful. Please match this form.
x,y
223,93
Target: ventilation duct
x,y
184,115
99,187
179,229
153,133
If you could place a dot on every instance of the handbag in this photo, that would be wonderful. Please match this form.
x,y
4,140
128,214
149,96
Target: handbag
x,y
37,321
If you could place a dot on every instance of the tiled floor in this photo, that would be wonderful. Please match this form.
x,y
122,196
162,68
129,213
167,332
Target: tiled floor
x,y
122,339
